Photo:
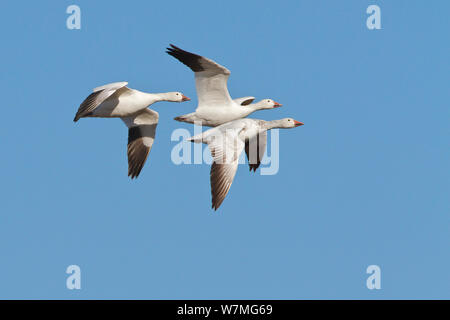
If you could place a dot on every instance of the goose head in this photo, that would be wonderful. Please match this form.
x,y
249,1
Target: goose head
x,y
288,123
267,104
176,97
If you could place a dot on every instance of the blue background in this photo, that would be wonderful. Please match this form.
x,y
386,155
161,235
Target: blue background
x,y
365,181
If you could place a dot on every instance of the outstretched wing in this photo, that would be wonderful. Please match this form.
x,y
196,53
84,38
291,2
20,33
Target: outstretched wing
x,y
210,78
244,101
255,148
98,95
226,145
141,134
225,150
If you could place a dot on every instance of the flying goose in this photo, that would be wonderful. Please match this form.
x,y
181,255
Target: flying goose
x,y
115,100
226,143
215,106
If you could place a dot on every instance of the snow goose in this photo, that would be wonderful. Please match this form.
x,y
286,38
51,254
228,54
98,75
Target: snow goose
x,y
226,143
115,100
215,106
247,108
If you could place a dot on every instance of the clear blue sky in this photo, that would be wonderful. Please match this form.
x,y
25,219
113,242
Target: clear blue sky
x,y
365,181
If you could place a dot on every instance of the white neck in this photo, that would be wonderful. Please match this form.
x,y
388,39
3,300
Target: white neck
x,y
151,98
267,125
248,109
162,96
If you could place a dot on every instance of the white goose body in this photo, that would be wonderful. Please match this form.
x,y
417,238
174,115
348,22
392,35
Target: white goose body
x,y
226,143
213,117
215,106
115,100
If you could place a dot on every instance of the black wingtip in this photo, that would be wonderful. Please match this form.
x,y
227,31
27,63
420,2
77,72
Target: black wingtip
x,y
133,175
189,59
172,48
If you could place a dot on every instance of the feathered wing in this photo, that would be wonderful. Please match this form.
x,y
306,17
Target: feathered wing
x,y
254,149
141,134
99,95
225,149
210,78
